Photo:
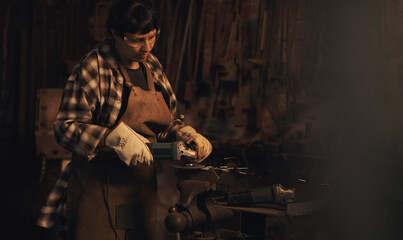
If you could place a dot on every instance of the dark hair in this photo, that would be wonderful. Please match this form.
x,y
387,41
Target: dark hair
x,y
133,16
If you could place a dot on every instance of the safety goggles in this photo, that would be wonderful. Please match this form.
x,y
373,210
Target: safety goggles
x,y
139,42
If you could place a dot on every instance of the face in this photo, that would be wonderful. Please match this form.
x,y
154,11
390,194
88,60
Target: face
x,y
134,48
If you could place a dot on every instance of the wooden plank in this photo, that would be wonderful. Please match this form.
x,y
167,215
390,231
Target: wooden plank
x,y
189,89
200,39
190,48
4,46
23,84
259,101
209,40
240,104
44,47
179,69
171,37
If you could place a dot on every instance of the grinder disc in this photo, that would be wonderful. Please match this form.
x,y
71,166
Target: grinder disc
x,y
190,166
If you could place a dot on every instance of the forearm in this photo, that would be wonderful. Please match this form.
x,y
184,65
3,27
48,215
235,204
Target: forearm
x,y
101,147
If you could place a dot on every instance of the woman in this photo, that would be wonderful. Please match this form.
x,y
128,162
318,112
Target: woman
x,y
116,100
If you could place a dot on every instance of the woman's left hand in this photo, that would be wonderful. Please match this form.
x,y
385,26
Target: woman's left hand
x,y
198,142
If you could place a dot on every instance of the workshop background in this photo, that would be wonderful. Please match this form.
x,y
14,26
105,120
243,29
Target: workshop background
x,y
306,93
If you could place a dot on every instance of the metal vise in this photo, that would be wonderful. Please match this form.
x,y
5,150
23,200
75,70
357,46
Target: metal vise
x,y
196,210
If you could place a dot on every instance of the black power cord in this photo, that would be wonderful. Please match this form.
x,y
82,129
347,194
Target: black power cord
x,y
106,200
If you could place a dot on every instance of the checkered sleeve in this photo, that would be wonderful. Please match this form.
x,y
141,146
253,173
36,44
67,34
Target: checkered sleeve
x,y
53,213
74,128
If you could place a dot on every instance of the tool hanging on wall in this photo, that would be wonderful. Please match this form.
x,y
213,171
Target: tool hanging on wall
x,y
229,69
261,61
98,21
290,111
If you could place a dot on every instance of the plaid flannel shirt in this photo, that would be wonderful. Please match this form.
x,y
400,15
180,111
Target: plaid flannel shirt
x,y
91,102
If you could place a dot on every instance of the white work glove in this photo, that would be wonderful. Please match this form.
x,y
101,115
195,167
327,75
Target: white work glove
x,y
130,146
199,143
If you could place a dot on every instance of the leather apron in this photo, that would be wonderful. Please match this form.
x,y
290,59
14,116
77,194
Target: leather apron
x,y
106,198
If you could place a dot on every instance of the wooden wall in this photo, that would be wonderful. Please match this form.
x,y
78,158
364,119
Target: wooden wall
x,y
305,88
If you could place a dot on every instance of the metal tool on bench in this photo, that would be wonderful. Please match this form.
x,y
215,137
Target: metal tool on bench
x,y
271,194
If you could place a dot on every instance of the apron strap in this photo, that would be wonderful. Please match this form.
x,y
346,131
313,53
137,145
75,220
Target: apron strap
x,y
150,78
